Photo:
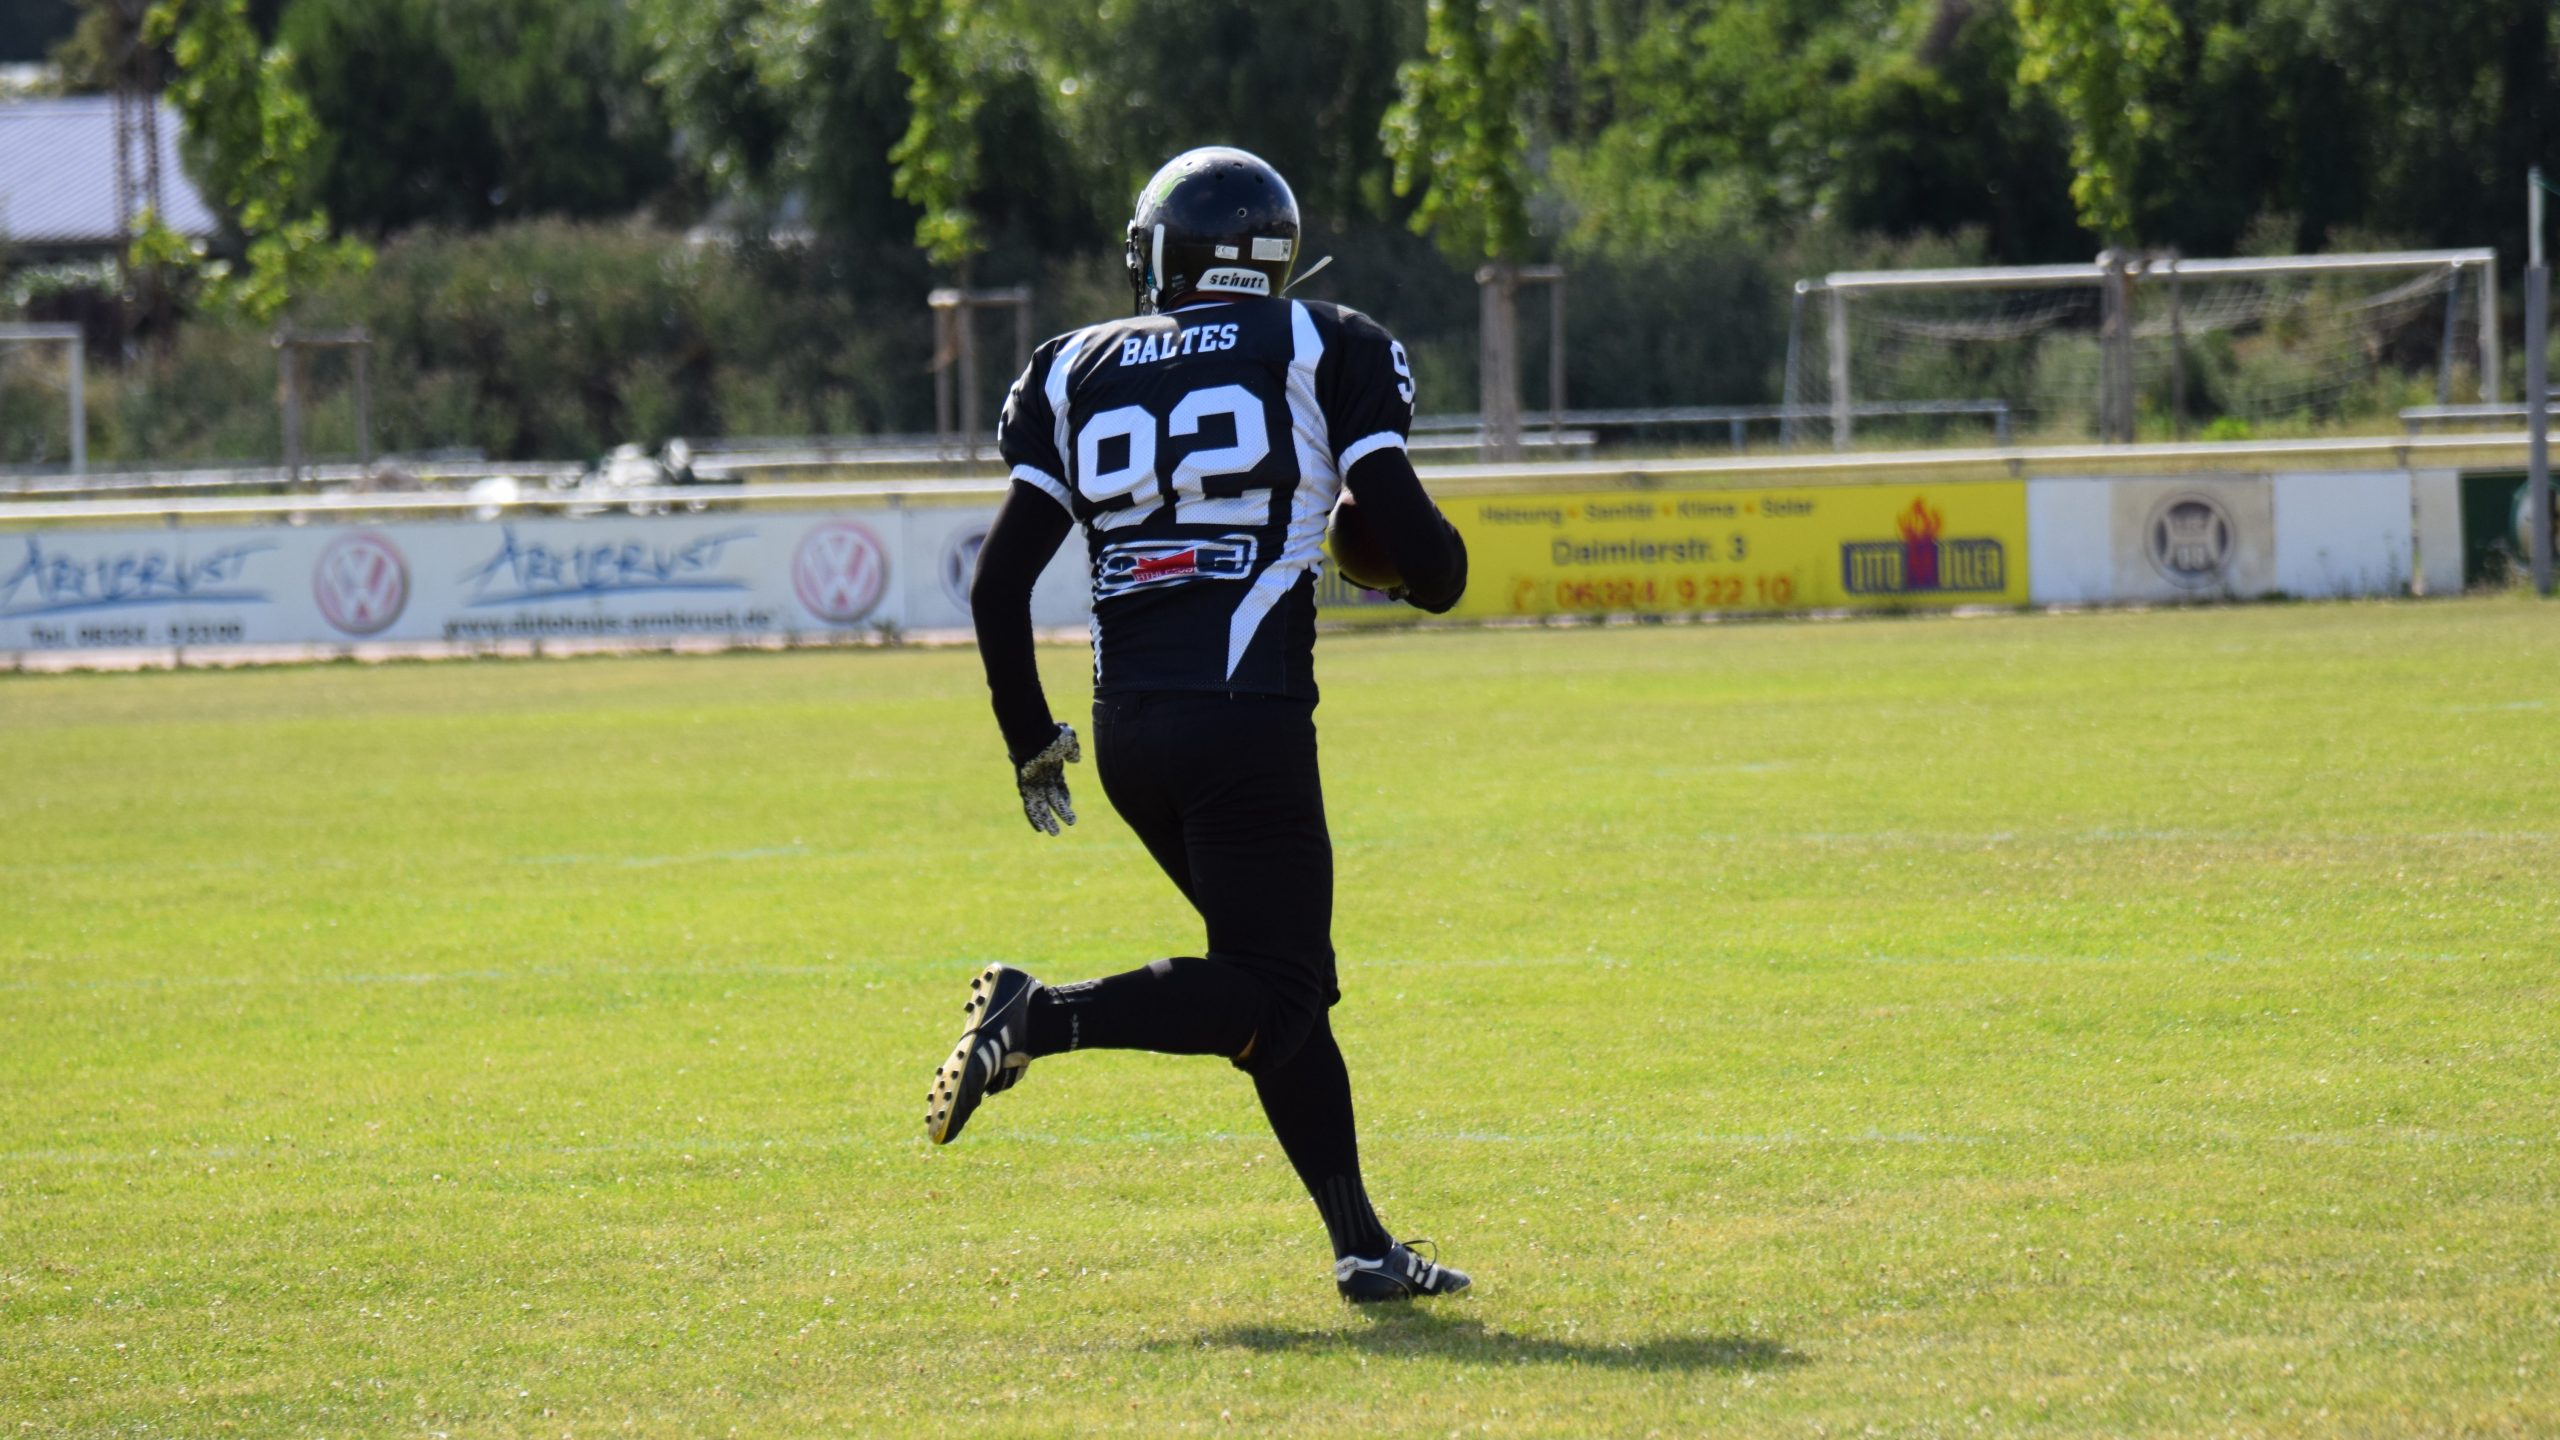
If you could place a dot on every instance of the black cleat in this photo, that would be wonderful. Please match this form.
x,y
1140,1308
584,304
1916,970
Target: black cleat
x,y
1398,1275
989,1056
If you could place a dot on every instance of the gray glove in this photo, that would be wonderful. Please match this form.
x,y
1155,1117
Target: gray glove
x,y
1042,779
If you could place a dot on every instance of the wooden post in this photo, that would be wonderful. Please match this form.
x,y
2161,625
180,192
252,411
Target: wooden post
x,y
946,309
2177,349
1555,357
364,404
79,403
2115,351
1842,412
955,347
289,378
968,338
2537,388
1790,388
2444,347
2491,382
2537,412
1498,359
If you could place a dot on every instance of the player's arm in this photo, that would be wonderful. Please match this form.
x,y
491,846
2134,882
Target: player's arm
x,y
1370,412
1029,527
1426,548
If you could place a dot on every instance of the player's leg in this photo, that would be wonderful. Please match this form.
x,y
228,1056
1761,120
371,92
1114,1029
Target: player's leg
x,y
1261,864
1308,1101
1183,1005
1178,768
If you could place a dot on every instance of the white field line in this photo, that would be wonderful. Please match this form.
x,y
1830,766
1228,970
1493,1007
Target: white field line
x,y
1759,839
1369,974
696,1149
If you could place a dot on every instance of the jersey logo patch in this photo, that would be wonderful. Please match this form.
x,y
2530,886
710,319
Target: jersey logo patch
x,y
1142,564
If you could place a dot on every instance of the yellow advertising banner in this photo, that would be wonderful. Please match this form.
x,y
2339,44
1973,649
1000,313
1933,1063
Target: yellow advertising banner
x,y
1697,552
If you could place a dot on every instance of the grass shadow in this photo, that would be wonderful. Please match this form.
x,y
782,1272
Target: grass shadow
x,y
1409,1333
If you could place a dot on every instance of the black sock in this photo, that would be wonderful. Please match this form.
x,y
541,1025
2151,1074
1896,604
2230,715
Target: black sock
x,y
1182,1006
1308,1101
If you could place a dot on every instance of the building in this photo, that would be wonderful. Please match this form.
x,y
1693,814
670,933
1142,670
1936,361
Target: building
x,y
59,181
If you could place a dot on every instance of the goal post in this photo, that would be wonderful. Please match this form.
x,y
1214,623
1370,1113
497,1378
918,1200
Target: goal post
x,y
2301,332
75,345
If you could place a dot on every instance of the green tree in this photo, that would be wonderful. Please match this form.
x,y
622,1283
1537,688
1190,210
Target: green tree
x,y
465,112
2100,62
787,109
1459,131
1305,86
252,135
937,159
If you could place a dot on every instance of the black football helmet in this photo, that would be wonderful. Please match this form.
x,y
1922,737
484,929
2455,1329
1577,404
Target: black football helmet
x,y
1215,218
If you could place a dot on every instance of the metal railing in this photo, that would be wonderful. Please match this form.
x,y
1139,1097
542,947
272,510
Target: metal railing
x,y
1736,418
2081,461
2417,417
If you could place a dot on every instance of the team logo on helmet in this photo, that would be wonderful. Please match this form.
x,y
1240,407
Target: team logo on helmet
x,y
361,582
840,571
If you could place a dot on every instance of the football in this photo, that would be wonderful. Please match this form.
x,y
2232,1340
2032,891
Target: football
x,y
1359,552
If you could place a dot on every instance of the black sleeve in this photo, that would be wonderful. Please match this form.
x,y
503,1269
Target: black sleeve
x,y
1368,402
1028,529
1027,436
1422,542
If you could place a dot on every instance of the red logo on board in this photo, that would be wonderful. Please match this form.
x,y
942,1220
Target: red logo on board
x,y
1920,526
840,571
361,582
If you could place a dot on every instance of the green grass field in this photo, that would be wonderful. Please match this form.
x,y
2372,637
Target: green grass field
x,y
2100,1024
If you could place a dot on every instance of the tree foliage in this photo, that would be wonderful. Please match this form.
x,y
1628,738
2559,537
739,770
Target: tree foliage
x,y
937,159
1708,149
1458,132
2100,62
467,112
254,135
787,110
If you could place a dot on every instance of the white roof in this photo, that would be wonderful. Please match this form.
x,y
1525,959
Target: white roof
x,y
58,173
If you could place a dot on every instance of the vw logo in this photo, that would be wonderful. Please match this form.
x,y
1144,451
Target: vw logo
x,y
960,562
361,582
2189,539
840,571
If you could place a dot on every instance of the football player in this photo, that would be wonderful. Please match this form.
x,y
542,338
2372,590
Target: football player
x,y
1202,445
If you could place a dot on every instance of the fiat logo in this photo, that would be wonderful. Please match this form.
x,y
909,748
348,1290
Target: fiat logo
x,y
361,582
839,571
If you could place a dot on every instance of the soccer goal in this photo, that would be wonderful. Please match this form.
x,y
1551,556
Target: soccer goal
x,y
2151,344
17,344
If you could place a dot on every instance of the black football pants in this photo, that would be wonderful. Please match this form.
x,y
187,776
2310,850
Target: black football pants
x,y
1224,792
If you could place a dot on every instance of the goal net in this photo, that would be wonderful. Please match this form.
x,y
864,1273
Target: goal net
x,y
2141,347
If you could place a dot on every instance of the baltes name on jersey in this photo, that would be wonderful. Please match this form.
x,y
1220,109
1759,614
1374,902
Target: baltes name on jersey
x,y
1202,452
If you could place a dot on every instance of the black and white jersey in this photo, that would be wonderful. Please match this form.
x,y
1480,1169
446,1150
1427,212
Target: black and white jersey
x,y
1202,452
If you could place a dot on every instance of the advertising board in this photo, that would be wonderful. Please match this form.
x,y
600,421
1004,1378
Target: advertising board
x,y
2117,540
737,575
1701,552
